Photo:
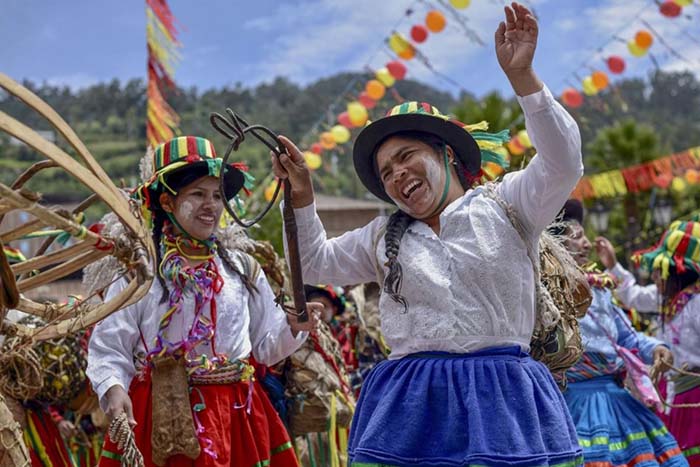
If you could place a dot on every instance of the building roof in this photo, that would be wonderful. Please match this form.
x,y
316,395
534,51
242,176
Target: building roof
x,y
339,203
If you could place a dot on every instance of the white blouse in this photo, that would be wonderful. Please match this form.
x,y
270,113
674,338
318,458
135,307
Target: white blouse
x,y
471,286
682,334
245,323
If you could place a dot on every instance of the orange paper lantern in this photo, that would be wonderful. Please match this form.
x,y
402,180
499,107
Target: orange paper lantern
x,y
435,21
375,89
327,141
643,39
600,80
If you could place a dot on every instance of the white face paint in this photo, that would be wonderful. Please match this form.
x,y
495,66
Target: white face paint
x,y
185,209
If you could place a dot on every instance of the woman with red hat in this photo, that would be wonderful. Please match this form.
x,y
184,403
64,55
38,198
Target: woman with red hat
x,y
458,308
192,335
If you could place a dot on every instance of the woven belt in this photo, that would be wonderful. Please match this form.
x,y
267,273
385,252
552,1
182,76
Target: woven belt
x,y
231,373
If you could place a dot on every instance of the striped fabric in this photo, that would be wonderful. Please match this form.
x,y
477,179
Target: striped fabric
x,y
592,365
180,148
13,255
679,248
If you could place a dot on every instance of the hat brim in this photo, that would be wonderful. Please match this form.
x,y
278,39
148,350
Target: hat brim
x,y
367,142
312,289
233,179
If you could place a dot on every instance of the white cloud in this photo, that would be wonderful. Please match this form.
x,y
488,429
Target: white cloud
x,y
74,81
309,39
566,24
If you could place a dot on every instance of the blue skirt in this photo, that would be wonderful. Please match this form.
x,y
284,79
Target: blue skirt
x,y
615,428
496,407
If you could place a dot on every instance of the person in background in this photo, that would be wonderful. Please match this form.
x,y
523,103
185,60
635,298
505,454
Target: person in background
x,y
613,427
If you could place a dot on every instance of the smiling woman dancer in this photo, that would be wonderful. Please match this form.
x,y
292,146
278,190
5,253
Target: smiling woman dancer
x,y
192,334
458,307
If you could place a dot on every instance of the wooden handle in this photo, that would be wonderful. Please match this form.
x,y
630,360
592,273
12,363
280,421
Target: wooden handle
x,y
290,229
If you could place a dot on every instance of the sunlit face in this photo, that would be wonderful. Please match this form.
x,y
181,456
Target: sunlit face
x,y
197,207
413,175
577,243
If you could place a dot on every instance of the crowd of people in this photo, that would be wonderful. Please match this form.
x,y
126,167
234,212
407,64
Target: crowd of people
x,y
420,323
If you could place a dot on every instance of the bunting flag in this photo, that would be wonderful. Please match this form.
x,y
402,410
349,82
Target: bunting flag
x,y
163,54
658,173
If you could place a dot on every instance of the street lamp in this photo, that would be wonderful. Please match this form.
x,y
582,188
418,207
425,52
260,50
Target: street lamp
x,y
599,216
662,212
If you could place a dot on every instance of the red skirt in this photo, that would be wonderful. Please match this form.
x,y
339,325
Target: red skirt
x,y
46,446
238,438
684,423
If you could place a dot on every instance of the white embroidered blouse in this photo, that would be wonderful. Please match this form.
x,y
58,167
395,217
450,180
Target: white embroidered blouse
x,y
471,286
245,323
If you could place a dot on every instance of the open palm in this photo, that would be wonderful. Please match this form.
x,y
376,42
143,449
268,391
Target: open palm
x,y
516,39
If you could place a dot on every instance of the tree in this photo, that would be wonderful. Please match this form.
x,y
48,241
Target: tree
x,y
500,113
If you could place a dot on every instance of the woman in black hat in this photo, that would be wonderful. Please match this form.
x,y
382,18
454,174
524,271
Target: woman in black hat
x,y
458,307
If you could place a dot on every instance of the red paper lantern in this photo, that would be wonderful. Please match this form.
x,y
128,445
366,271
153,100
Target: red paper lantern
x,y
419,33
670,9
367,101
572,98
397,69
616,64
316,148
344,119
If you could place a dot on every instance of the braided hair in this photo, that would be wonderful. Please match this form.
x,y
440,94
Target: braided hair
x,y
399,221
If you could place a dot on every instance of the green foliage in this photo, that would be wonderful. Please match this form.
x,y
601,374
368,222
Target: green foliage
x,y
500,113
621,145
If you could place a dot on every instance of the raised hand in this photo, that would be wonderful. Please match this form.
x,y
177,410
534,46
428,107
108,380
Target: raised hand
x,y
516,41
292,168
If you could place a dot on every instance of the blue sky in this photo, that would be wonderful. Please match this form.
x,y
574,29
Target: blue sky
x,y
81,42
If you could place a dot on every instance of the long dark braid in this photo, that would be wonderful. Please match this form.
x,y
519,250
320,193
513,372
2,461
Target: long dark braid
x,y
395,228
399,221
231,267
158,222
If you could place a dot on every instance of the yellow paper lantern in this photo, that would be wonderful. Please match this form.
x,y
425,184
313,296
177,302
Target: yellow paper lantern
x,y
375,89
384,77
340,134
635,50
589,88
270,191
683,2
524,139
313,161
357,113
327,140
600,80
398,43
678,185
461,4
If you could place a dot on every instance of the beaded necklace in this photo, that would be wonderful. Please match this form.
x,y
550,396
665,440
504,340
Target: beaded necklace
x,y
204,282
